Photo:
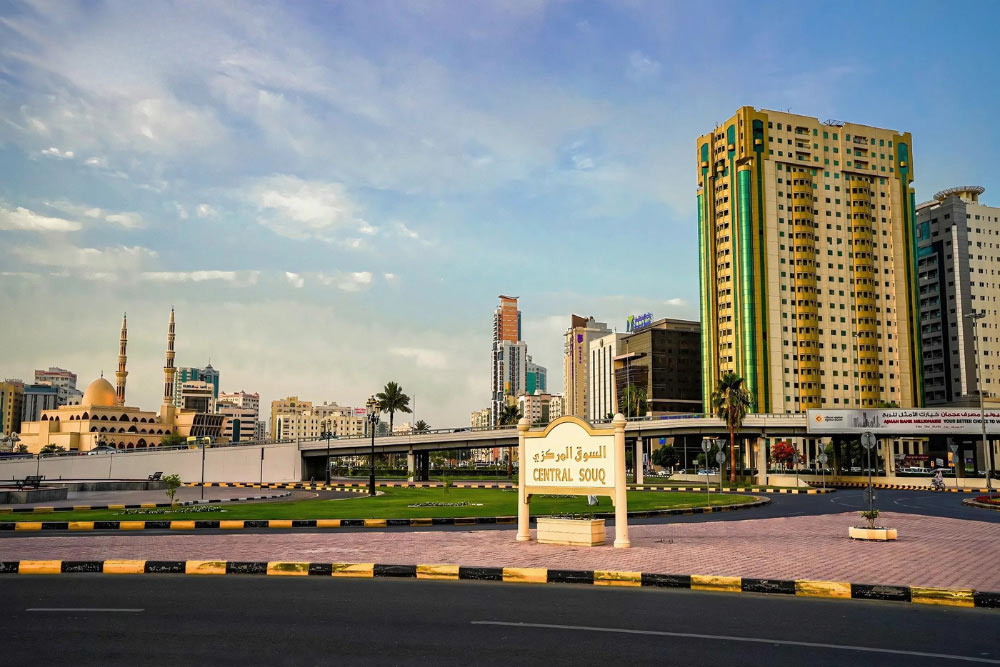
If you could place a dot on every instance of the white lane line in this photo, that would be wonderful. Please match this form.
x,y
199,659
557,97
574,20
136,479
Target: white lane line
x,y
754,640
108,609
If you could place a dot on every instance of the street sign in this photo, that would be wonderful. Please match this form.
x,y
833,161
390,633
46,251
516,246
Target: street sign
x,y
868,440
720,457
822,458
706,445
953,448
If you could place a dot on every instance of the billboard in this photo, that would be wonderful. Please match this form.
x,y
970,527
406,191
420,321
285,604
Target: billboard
x,y
916,421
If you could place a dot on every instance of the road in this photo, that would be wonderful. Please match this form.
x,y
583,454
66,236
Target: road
x,y
164,620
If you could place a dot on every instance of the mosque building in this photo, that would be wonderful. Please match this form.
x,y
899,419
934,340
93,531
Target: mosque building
x,y
103,418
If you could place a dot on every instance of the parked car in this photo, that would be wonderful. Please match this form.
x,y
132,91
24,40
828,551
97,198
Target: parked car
x,y
101,450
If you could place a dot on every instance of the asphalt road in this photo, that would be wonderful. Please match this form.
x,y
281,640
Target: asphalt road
x,y
171,620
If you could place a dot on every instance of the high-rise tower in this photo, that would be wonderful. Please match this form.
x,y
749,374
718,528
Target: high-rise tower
x,y
121,373
808,262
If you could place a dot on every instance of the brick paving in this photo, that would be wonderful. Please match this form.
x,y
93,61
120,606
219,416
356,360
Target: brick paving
x,y
931,551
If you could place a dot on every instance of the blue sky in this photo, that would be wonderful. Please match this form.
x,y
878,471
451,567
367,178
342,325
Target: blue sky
x,y
333,194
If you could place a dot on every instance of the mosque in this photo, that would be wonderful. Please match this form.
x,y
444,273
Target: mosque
x,y
102,418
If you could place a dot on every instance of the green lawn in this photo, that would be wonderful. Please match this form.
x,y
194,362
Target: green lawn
x,y
395,505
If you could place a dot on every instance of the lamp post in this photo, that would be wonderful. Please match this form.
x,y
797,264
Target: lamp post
x,y
868,441
372,408
327,434
975,316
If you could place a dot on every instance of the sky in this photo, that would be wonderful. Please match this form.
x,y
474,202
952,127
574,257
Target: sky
x,y
333,194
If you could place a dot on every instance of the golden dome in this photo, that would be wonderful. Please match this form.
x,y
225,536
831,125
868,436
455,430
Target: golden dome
x,y
99,394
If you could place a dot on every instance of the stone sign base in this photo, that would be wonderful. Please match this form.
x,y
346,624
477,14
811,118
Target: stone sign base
x,y
571,532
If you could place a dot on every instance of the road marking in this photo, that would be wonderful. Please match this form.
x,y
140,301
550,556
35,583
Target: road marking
x,y
108,609
754,640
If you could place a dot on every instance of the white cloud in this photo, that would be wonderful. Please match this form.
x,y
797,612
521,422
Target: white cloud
x,y
676,302
406,231
423,357
236,278
105,260
348,282
52,151
390,277
126,219
302,209
96,162
206,211
641,67
24,219
294,279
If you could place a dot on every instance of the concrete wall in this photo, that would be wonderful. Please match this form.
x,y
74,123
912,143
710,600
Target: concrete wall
x,y
282,463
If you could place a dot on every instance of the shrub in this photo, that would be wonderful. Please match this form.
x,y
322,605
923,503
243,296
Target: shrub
x,y
870,516
173,482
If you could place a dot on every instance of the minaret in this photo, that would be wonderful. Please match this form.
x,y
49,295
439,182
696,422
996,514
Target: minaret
x,y
167,410
122,373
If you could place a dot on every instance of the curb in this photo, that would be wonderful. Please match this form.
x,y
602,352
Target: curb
x,y
352,486
241,524
901,487
986,506
957,597
142,506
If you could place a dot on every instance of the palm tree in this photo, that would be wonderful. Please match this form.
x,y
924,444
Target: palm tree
x,y
634,401
421,426
393,400
509,416
731,403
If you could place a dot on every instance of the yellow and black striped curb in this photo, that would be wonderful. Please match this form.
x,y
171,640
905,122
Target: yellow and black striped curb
x,y
143,506
971,502
360,487
241,524
958,597
901,487
732,489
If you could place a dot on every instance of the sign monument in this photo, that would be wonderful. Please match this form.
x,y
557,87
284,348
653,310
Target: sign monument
x,y
572,457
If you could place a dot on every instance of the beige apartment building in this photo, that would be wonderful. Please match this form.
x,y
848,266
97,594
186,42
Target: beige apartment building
x,y
305,421
808,262
576,363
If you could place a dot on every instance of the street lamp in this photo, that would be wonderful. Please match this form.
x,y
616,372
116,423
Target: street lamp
x,y
327,435
868,441
372,408
975,316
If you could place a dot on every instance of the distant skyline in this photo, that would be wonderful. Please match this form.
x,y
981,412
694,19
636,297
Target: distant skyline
x,y
333,194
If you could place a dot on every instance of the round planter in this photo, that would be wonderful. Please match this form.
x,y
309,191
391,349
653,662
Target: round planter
x,y
872,534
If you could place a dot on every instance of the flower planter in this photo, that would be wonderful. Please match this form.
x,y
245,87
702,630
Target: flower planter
x,y
571,532
872,534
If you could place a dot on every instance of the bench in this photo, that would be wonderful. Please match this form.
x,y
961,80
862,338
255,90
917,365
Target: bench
x,y
155,477
31,480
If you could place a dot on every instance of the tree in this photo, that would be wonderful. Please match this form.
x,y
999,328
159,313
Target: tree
x,y
172,482
421,426
888,404
634,401
51,448
783,453
731,403
509,416
393,400
665,457
22,449
172,440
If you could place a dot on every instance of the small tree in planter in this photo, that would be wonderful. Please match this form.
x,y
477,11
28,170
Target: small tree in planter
x,y
172,482
782,454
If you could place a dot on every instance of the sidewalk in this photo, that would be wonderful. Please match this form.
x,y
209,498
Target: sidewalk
x,y
931,551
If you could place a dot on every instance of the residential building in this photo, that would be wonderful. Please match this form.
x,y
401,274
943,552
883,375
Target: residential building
x,y
603,396
480,418
242,399
246,406
808,262
11,404
509,355
190,374
539,408
663,360
576,363
64,381
260,433
958,252
305,421
38,397
535,377
197,395
284,405
240,424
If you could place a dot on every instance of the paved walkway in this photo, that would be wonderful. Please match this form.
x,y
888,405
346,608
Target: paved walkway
x,y
931,551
